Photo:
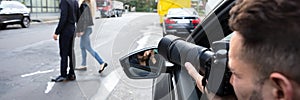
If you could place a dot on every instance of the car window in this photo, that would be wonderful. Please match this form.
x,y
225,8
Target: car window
x,y
6,5
19,6
190,18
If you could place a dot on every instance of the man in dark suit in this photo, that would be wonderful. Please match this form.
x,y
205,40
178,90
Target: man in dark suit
x,y
66,31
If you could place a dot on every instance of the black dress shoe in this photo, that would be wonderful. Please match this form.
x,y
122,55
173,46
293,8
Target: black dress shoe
x,y
104,66
59,79
71,77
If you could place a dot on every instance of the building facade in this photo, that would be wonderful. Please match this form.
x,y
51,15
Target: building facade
x,y
41,6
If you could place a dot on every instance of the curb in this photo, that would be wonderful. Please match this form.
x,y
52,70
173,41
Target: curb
x,y
45,21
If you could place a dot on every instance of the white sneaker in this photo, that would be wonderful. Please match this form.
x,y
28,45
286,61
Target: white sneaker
x,y
81,68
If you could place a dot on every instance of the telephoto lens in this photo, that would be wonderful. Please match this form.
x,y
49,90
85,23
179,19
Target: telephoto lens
x,y
178,51
210,63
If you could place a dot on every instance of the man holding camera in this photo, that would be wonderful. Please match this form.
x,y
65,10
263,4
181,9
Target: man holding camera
x,y
263,54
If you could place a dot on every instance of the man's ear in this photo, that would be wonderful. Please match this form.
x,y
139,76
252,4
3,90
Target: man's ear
x,y
283,88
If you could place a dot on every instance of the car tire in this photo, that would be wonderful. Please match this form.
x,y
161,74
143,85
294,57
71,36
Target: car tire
x,y
25,23
3,26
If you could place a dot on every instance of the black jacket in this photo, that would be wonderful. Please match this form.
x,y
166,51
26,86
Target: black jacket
x,y
85,19
68,17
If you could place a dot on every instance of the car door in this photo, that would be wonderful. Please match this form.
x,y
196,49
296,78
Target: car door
x,y
11,12
17,10
213,28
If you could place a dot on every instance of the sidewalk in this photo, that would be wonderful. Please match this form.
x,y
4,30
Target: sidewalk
x,y
45,17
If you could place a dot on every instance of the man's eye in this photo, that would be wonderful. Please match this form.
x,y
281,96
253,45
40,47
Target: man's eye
x,y
235,75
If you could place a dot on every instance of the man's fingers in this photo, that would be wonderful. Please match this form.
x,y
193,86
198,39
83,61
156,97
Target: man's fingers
x,y
195,75
191,70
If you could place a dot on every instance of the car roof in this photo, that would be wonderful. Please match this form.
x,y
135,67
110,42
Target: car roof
x,y
182,12
9,2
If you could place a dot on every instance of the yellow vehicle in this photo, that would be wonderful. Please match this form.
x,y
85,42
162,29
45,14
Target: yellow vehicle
x,y
164,5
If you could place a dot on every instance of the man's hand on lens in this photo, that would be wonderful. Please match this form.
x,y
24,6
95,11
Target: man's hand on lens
x,y
198,78
195,75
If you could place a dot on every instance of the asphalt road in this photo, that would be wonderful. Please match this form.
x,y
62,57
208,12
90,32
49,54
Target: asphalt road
x,y
29,59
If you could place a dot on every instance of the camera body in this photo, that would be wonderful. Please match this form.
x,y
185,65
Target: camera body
x,y
209,62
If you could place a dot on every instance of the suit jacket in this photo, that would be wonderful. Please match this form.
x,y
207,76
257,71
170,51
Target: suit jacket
x,y
68,17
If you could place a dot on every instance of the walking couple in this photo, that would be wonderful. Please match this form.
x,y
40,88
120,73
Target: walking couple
x,y
83,16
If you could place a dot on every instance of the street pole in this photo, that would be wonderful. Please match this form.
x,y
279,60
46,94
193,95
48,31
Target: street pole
x,y
36,9
31,5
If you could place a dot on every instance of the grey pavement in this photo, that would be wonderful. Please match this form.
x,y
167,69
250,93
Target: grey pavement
x,y
44,17
30,80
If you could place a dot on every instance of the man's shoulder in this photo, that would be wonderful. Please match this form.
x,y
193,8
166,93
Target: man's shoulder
x,y
70,2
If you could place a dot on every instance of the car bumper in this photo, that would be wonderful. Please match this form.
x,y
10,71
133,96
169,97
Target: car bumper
x,y
180,32
179,28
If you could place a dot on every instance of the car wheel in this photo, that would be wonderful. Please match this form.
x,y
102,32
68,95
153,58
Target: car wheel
x,y
25,22
3,26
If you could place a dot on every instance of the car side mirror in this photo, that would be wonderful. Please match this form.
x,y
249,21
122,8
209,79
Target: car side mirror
x,y
143,64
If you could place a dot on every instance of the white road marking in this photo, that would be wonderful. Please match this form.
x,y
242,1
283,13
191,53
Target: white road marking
x,y
38,72
111,80
148,40
49,87
108,83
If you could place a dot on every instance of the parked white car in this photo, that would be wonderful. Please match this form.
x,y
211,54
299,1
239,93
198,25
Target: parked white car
x,y
14,12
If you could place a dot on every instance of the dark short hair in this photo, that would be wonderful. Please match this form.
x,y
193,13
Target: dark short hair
x,y
271,33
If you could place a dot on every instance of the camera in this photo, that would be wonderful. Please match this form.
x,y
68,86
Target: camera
x,y
211,63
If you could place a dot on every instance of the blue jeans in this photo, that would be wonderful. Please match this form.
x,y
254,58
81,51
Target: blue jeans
x,y
85,45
